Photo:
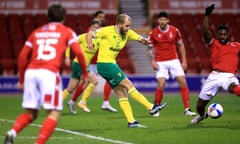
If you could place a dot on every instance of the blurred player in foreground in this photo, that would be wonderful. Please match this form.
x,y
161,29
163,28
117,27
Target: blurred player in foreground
x,y
165,39
224,58
41,78
113,39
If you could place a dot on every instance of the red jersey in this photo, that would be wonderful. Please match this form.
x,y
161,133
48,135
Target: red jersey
x,y
47,46
224,57
164,42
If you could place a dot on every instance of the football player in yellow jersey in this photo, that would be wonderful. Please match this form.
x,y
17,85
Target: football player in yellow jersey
x,y
113,40
76,70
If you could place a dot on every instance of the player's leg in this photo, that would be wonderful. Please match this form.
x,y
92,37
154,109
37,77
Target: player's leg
x,y
185,95
20,123
48,126
208,91
74,80
201,104
71,103
52,103
106,104
232,85
124,103
87,92
159,91
114,77
177,72
30,103
126,107
140,98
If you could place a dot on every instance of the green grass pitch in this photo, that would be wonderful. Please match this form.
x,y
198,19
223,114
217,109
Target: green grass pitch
x,y
102,127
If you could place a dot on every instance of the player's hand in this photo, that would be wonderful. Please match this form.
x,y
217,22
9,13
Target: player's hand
x,y
209,9
184,66
20,86
85,80
154,65
145,41
67,61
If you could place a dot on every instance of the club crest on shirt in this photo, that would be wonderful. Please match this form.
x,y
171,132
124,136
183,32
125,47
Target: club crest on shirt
x,y
170,35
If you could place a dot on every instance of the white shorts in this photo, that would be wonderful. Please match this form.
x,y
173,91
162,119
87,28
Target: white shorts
x,y
171,68
42,88
215,82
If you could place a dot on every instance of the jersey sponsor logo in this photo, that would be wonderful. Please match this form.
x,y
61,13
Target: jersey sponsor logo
x,y
90,52
115,49
119,74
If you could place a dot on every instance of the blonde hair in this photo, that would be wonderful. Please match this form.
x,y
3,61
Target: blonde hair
x,y
121,18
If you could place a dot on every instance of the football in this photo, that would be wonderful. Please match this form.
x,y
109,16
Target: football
x,y
215,110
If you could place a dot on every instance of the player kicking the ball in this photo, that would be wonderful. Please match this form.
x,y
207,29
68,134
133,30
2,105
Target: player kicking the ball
x,y
224,59
113,40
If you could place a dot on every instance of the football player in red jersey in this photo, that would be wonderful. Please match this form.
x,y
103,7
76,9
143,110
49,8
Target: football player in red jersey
x,y
224,60
165,38
40,78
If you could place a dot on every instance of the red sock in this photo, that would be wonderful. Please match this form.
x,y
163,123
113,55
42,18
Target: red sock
x,y
21,122
185,97
236,90
158,96
107,91
77,92
46,131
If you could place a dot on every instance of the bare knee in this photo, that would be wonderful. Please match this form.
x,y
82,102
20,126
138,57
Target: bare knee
x,y
32,112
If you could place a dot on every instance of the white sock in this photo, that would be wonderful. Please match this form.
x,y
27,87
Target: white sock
x,y
71,102
105,102
13,132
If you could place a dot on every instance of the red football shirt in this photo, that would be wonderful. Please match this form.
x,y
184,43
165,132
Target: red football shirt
x,y
164,42
47,46
224,57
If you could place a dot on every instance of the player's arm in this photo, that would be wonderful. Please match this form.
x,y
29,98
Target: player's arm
x,y
22,63
151,58
67,57
182,52
150,55
206,32
136,37
89,37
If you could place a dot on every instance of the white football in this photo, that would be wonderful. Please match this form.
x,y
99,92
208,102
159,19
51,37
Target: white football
x,y
215,110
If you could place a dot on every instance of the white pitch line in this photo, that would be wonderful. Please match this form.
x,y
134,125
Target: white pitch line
x,y
77,133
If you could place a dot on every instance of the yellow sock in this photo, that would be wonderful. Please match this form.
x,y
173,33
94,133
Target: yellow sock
x,y
127,109
136,95
65,94
87,92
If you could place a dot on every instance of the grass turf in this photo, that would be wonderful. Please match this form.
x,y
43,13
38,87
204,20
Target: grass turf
x,y
99,126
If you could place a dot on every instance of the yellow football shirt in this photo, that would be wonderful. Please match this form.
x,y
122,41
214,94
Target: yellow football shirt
x,y
89,54
111,43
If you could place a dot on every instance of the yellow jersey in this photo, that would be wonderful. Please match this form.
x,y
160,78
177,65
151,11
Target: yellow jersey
x,y
89,54
111,43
